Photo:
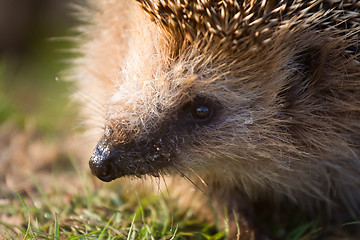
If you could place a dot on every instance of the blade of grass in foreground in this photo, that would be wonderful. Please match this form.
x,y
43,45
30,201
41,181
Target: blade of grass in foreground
x,y
102,234
175,231
56,228
131,227
28,216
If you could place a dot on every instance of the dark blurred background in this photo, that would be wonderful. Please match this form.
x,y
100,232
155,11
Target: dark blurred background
x,y
33,53
36,114
24,22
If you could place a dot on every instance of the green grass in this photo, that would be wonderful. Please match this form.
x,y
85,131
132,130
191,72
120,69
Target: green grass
x,y
99,214
107,212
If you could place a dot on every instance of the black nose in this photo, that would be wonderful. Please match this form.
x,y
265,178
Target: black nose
x,y
103,164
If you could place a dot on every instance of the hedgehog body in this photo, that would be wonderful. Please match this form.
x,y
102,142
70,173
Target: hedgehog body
x,y
253,100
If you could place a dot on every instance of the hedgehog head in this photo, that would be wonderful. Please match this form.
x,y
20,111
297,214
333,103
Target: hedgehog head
x,y
216,88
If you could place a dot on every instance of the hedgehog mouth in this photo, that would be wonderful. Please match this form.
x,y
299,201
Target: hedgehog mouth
x,y
111,162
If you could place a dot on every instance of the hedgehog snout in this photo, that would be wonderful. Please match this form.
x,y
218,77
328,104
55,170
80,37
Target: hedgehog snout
x,y
103,163
131,158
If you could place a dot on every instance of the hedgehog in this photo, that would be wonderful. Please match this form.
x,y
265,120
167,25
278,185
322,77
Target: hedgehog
x,y
252,101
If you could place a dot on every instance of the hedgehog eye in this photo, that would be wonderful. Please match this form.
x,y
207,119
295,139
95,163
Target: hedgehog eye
x,y
199,110
201,113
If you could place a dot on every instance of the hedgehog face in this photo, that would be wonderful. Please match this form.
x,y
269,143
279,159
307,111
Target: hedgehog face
x,y
190,118
194,112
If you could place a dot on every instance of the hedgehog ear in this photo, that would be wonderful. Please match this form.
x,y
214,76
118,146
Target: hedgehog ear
x,y
311,60
308,69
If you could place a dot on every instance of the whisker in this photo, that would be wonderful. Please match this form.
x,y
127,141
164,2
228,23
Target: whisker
x,y
95,105
166,186
192,182
198,176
